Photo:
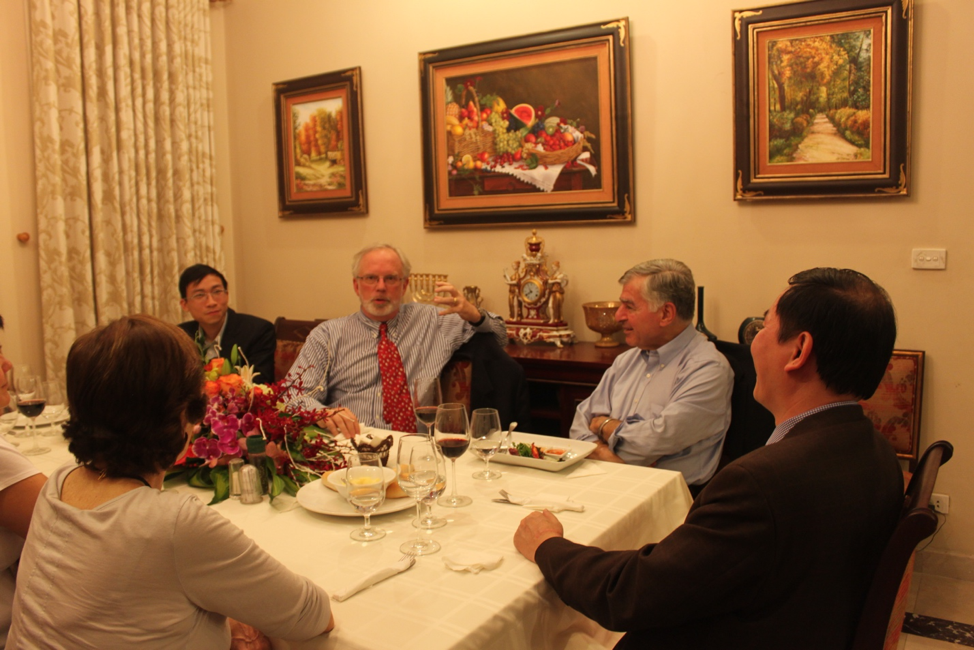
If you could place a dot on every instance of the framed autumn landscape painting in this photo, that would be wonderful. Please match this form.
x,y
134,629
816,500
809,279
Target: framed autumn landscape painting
x,y
822,93
321,145
536,128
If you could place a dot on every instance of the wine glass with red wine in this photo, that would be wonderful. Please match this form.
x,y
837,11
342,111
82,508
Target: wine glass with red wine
x,y
426,395
452,434
29,397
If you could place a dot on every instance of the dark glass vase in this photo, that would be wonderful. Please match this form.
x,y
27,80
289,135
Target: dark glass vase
x,y
700,326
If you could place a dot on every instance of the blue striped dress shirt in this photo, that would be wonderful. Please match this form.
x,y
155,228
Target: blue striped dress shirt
x,y
339,363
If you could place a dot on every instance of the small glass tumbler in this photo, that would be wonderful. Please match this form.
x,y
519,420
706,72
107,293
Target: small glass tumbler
x,y
235,465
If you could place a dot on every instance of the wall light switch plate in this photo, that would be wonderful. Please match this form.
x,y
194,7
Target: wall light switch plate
x,y
930,258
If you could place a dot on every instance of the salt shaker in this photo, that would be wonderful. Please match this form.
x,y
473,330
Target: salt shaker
x,y
250,485
235,465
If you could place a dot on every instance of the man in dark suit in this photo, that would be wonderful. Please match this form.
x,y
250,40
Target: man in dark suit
x,y
217,328
779,549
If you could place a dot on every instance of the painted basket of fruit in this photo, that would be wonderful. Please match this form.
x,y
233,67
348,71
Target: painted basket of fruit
x,y
553,157
468,135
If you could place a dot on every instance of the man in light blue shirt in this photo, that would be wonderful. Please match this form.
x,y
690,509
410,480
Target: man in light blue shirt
x,y
665,403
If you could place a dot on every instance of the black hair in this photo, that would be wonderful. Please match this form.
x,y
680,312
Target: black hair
x,y
852,323
194,274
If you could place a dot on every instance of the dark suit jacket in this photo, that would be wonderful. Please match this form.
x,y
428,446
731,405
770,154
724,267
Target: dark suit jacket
x,y
496,380
254,336
776,552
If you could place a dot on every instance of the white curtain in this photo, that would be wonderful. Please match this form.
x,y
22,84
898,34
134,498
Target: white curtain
x,y
124,157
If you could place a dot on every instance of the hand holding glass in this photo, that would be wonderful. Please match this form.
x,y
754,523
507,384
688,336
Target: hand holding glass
x,y
452,433
365,489
485,440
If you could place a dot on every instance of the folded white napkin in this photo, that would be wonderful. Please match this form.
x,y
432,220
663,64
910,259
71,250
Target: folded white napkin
x,y
373,578
552,502
472,561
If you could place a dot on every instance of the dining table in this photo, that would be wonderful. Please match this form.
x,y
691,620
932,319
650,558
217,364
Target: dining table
x,y
431,606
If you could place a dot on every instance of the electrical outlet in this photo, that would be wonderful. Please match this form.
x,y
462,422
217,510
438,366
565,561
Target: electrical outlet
x,y
940,503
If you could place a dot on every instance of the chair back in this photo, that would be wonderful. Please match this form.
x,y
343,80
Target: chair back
x,y
291,335
751,424
917,522
895,406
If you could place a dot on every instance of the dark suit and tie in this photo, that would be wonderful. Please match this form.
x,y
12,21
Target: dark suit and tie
x,y
254,336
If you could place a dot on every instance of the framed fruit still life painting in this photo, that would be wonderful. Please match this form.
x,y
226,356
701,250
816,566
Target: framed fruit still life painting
x,y
822,93
321,145
530,129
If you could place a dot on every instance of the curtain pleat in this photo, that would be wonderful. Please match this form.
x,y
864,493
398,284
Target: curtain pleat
x,y
124,157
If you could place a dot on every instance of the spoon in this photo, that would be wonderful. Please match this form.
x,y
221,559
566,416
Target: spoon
x,y
509,436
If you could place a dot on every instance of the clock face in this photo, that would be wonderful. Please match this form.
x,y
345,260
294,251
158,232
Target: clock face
x,y
531,291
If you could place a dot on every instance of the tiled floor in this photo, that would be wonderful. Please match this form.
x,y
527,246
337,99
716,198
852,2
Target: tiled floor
x,y
938,597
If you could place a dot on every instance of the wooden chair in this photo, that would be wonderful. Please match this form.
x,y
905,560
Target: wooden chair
x,y
882,616
895,407
291,335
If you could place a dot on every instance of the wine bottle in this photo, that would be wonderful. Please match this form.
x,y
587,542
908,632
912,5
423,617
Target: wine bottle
x,y
700,326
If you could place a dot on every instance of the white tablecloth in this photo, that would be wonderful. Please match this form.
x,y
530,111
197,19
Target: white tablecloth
x,y
431,607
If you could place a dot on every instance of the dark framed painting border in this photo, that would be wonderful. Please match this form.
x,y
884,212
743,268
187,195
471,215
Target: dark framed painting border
x,y
882,167
608,44
311,188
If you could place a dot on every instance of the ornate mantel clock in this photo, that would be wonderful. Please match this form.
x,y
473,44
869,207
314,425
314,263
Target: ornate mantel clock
x,y
536,293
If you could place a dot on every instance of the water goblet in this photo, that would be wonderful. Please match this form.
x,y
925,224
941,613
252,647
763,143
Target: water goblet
x,y
485,440
29,397
451,432
426,396
55,407
419,467
427,520
365,489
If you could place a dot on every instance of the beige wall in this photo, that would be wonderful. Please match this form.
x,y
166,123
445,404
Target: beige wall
x,y
742,253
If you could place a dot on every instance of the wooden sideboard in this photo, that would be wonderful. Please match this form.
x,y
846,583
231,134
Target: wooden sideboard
x,y
560,378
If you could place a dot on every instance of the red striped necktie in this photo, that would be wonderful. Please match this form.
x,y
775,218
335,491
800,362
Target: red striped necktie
x,y
397,406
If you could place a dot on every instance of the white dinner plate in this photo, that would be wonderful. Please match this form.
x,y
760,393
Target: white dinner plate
x,y
577,451
317,498
20,422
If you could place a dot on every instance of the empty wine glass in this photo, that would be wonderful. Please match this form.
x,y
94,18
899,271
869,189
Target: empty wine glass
x,y
452,433
365,489
55,407
29,397
427,520
427,396
419,467
485,440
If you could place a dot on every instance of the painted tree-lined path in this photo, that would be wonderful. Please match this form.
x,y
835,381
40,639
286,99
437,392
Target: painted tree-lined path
x,y
824,144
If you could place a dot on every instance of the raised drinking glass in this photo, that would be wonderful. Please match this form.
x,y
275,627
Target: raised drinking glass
x,y
485,440
452,433
365,489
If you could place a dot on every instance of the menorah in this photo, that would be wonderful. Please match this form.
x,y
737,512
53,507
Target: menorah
x,y
423,286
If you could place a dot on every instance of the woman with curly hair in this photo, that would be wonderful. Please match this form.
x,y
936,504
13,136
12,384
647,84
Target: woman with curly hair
x,y
113,561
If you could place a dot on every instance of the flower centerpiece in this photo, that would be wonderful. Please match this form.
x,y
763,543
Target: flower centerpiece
x,y
298,450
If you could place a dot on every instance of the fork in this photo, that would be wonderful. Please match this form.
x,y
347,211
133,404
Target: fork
x,y
407,556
